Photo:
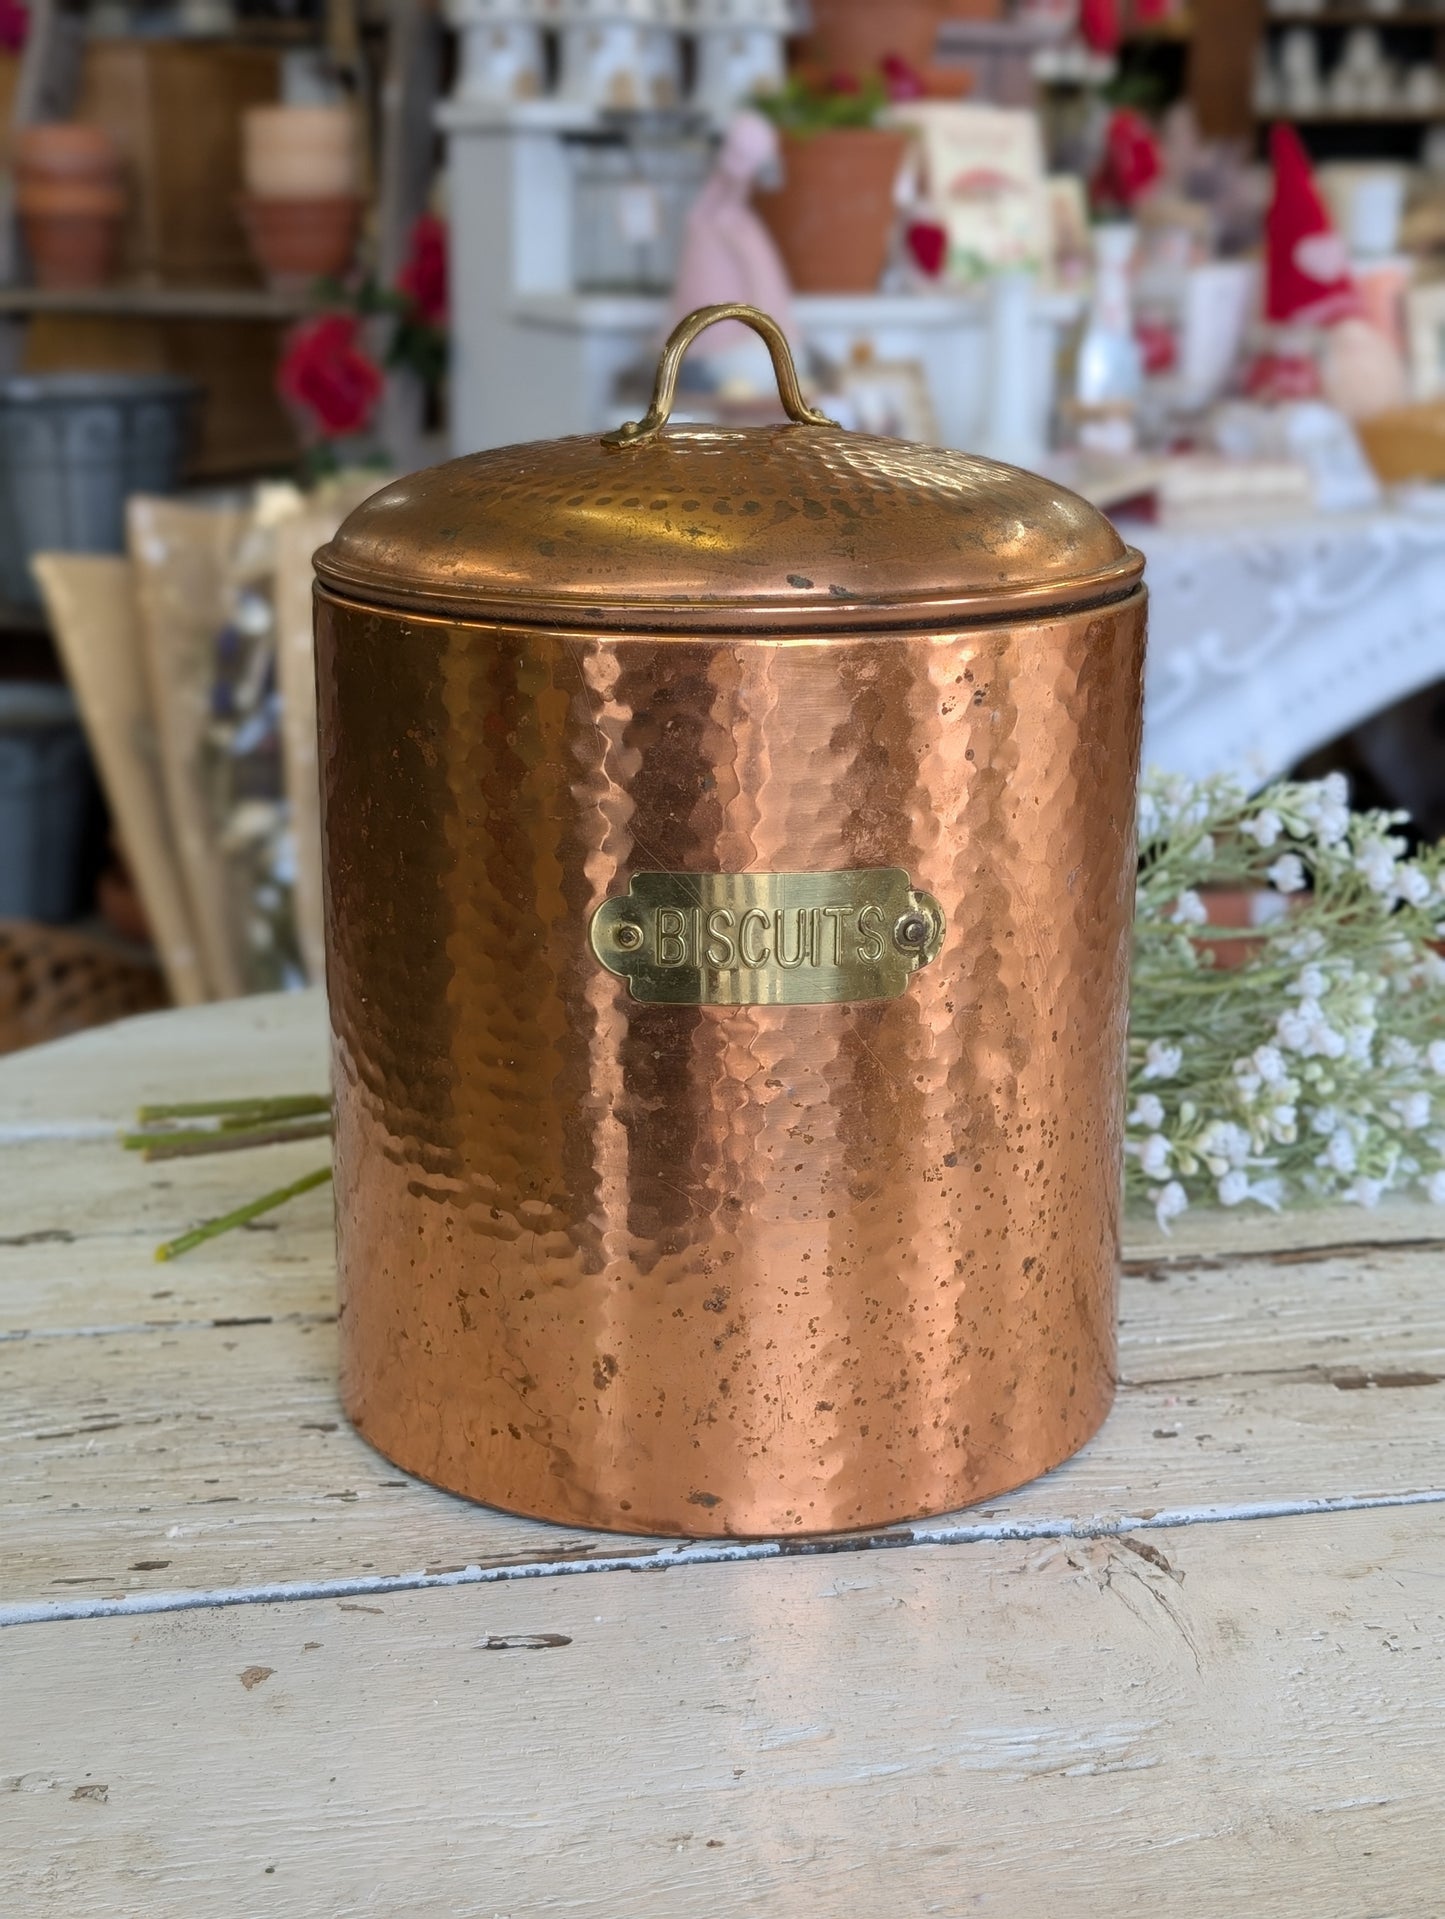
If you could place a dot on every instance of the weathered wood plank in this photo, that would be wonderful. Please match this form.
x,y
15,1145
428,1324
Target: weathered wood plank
x,y
273,1044
1241,1721
80,1224
1213,1233
212,1456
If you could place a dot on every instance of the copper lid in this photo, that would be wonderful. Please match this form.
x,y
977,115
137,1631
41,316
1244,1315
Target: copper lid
x,y
797,528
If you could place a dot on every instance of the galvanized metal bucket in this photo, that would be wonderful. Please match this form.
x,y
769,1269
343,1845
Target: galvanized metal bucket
x,y
73,447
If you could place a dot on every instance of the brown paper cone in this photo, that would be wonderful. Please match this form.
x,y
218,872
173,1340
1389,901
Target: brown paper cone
x,y
180,555
91,604
296,541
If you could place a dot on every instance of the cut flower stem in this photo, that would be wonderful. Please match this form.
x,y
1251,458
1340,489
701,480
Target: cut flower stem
x,y
243,1215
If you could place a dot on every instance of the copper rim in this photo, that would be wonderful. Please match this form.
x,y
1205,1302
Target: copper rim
x,y
769,614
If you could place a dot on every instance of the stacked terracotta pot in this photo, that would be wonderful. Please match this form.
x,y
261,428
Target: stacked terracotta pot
x,y
856,36
70,195
302,206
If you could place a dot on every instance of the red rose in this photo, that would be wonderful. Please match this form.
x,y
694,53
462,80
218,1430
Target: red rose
x,y
423,279
325,373
928,243
14,25
1100,25
1132,163
903,80
1159,345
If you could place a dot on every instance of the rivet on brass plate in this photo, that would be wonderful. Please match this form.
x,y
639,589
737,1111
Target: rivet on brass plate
x,y
769,939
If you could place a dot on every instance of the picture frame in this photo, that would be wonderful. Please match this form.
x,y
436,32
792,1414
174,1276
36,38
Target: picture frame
x,y
888,398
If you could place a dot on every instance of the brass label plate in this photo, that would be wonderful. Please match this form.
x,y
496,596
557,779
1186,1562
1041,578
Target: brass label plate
x,y
769,939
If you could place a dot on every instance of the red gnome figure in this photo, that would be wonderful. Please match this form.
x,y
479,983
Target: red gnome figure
x,y
1323,345
1308,268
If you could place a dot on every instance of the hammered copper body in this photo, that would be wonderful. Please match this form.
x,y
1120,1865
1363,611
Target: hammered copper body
x,y
720,1269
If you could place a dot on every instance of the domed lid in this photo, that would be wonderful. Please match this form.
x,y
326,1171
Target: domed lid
x,y
795,528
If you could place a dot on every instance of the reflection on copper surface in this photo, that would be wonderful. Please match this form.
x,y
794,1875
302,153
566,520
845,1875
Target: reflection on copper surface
x,y
726,1270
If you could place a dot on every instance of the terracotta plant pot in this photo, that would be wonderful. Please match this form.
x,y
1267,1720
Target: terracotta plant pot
x,y
300,153
856,36
73,251
833,216
297,241
71,202
73,232
42,198
67,150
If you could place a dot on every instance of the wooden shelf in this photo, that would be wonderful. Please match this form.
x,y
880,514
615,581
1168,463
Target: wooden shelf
x,y
958,38
1413,21
1172,32
1386,117
169,303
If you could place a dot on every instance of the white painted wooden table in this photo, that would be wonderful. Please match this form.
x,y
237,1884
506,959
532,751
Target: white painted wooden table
x,y
251,1669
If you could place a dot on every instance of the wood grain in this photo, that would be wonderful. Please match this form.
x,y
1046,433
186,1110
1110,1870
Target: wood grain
x,y
1241,1722
273,1044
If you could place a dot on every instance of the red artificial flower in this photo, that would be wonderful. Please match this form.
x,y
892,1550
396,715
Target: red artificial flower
x,y
423,278
14,25
1100,25
927,242
902,79
326,374
1133,161
1159,345
846,83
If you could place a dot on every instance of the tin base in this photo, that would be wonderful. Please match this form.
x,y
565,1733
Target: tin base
x,y
598,1516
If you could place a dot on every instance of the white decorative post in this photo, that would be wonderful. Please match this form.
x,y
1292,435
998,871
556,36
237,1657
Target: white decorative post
x,y
503,49
621,55
740,50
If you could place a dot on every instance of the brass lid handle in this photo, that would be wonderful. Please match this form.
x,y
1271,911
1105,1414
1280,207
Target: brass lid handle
x,y
670,365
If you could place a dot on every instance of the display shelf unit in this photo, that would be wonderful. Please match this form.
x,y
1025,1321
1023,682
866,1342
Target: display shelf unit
x,y
1357,17
533,358
1395,131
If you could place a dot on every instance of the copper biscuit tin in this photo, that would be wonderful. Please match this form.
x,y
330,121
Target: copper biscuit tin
x,y
730,861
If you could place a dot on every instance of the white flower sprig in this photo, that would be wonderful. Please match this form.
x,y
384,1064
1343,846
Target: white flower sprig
x,y
1314,1068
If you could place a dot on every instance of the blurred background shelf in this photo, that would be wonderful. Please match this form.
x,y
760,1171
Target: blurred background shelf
x,y
1355,117
158,302
1358,18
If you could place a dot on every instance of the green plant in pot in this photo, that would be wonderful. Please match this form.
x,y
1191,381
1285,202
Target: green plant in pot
x,y
833,214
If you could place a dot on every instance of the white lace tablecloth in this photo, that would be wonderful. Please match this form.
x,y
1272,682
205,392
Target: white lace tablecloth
x,y
1269,641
